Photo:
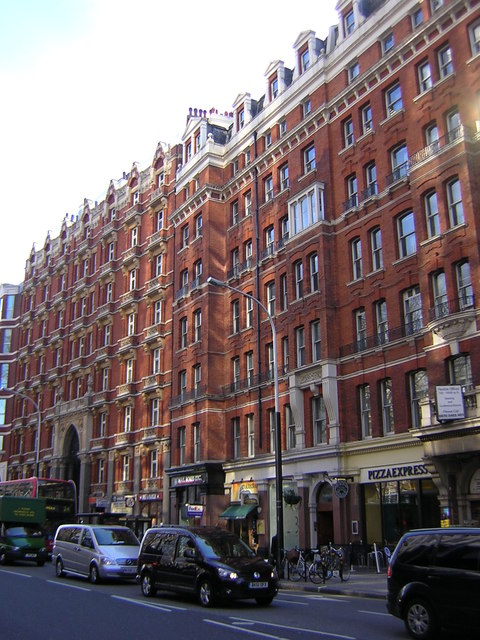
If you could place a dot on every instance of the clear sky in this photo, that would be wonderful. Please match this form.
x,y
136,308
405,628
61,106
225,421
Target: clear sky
x,y
90,86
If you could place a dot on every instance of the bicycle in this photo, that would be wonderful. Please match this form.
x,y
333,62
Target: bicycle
x,y
320,569
296,564
328,562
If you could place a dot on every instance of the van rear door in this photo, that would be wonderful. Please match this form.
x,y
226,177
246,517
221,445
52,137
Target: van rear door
x,y
455,578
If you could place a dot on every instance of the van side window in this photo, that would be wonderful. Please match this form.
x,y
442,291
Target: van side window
x,y
87,540
151,542
459,552
184,542
416,550
167,545
70,534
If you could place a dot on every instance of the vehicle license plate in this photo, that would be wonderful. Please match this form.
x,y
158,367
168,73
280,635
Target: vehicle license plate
x,y
130,570
258,585
30,555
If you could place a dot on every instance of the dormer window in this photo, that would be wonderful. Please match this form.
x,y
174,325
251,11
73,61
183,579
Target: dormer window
x,y
349,23
135,198
241,119
197,142
188,151
274,88
305,60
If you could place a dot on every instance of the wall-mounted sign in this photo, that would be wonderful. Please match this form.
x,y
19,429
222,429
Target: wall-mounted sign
x,y
244,491
181,481
475,482
395,472
194,510
449,402
149,497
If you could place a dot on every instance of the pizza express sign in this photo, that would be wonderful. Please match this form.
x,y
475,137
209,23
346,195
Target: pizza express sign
x,y
400,472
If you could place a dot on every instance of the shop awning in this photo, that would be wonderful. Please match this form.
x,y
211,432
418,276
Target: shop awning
x,y
238,511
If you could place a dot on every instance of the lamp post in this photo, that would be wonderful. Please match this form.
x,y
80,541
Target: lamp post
x,y
278,438
39,425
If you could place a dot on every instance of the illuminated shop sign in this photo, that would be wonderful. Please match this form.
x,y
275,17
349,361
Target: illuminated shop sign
x,y
244,491
194,510
181,481
397,472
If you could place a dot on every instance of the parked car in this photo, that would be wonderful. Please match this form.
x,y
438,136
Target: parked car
x,y
97,551
210,562
434,581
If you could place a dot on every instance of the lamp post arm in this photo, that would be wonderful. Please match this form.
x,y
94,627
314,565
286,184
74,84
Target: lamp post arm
x,y
278,437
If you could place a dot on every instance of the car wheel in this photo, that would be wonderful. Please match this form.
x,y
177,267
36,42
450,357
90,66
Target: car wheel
x,y
148,588
265,601
205,593
420,619
3,558
93,574
59,572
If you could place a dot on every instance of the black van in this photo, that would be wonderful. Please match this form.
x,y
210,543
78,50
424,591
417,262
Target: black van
x,y
210,562
434,581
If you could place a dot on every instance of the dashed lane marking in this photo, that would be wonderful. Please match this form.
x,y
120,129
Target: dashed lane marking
x,y
312,631
166,608
68,586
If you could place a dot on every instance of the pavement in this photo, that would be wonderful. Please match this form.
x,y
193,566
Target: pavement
x,y
363,583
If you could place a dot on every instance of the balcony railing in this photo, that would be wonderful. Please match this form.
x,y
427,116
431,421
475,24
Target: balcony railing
x,y
189,396
446,308
381,339
250,382
399,173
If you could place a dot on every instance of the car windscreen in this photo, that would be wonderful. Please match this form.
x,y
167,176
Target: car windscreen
x,y
223,546
115,536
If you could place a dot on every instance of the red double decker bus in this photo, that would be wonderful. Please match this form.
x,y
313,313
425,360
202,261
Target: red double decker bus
x,y
60,499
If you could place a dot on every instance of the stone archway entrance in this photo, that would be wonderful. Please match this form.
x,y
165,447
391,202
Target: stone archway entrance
x,y
71,457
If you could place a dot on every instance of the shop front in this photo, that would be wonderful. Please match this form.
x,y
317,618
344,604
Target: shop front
x,y
397,498
242,515
196,494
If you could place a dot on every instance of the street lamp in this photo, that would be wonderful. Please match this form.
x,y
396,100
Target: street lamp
x,y
39,424
278,437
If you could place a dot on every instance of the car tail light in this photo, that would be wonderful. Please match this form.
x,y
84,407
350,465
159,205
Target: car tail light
x,y
389,571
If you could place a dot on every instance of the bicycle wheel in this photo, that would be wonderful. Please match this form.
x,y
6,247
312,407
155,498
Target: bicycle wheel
x,y
315,572
327,568
294,571
344,571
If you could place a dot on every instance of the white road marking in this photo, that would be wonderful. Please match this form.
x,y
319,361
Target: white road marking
x,y
16,573
283,626
167,608
68,586
374,613
250,631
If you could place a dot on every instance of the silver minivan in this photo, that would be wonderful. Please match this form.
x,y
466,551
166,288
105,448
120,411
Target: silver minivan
x,y
95,551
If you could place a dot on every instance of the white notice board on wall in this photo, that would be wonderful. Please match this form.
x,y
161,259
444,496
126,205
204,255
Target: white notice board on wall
x,y
449,402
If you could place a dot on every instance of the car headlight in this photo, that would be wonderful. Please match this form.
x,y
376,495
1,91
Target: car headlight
x,y
107,561
274,574
226,574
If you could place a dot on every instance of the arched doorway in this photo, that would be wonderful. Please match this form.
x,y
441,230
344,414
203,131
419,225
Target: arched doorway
x,y
71,459
324,515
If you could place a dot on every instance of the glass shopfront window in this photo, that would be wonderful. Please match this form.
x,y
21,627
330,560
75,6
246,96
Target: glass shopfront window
x,y
394,507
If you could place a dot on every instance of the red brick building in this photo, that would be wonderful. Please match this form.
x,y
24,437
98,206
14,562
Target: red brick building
x,y
343,200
